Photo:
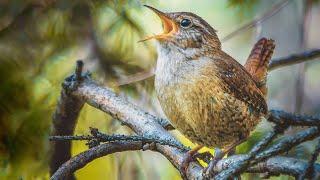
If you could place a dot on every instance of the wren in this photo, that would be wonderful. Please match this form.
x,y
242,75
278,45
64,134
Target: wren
x,y
207,95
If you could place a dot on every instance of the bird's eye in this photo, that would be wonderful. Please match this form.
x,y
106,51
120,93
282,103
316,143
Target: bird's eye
x,y
185,23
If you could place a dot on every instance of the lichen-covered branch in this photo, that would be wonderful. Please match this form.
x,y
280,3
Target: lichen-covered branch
x,y
64,120
260,159
274,165
243,165
281,117
98,137
85,157
139,121
283,146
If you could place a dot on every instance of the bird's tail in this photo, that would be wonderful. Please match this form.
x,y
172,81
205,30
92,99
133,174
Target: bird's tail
x,y
258,61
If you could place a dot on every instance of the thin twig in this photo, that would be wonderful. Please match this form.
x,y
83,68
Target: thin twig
x,y
273,11
288,143
294,59
145,139
101,137
78,71
136,77
243,165
71,138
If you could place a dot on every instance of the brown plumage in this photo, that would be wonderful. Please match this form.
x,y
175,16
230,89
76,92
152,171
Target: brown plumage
x,y
258,61
207,95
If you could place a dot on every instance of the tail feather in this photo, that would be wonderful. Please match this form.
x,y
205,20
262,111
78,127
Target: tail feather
x,y
258,61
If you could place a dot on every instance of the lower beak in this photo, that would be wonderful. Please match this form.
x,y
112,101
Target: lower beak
x,y
169,26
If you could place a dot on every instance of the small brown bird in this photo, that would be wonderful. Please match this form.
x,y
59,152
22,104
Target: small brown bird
x,y
207,95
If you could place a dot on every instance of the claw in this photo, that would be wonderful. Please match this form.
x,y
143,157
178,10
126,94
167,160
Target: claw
x,y
187,159
208,172
218,155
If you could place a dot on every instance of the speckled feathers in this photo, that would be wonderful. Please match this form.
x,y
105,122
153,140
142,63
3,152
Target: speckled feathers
x,y
207,95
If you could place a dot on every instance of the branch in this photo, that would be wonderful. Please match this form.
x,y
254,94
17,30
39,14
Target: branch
x,y
139,121
281,117
283,146
286,144
80,160
64,120
277,165
244,164
97,137
147,125
294,59
274,165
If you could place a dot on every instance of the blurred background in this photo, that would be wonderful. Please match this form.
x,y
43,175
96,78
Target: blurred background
x,y
40,40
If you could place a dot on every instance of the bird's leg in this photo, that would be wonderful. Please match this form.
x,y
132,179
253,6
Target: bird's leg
x,y
218,155
188,158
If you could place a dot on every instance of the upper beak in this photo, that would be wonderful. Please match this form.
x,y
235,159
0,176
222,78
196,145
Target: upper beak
x,y
169,26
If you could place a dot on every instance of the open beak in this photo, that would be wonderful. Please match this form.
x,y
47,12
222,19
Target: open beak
x,y
169,26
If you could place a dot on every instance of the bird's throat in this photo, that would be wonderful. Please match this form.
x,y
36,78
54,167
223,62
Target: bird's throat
x,y
168,62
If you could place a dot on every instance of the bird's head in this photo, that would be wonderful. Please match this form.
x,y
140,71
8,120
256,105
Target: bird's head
x,y
185,30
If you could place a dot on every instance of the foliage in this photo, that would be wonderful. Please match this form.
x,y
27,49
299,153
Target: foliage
x,y
39,41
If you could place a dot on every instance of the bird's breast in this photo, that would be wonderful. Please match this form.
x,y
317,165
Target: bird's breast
x,y
199,106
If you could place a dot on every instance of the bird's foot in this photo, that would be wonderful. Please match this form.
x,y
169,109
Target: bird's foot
x,y
209,172
218,155
189,157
